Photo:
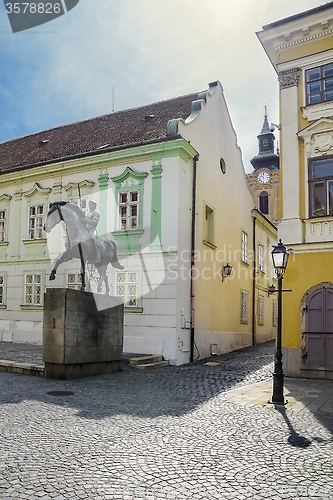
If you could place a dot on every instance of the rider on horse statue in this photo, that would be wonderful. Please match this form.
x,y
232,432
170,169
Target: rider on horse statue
x,y
92,220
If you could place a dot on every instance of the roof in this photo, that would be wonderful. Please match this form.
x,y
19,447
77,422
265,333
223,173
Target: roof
x,y
300,15
114,130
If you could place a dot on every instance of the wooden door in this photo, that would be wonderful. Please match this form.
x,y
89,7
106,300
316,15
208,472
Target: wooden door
x,y
319,328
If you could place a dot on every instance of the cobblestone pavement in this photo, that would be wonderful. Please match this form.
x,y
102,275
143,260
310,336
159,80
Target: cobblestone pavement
x,y
161,435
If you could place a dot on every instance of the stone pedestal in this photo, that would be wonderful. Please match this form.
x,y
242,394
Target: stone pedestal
x,y
82,333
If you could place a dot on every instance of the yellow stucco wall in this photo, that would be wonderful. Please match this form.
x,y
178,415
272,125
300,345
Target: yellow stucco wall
x,y
306,49
304,271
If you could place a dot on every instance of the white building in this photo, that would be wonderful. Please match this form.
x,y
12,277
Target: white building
x,y
171,189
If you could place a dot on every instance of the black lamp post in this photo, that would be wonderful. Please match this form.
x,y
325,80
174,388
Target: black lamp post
x,y
280,260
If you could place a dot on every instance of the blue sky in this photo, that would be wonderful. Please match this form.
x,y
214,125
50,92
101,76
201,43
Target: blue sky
x,y
148,50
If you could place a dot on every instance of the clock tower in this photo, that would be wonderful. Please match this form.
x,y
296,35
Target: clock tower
x,y
264,181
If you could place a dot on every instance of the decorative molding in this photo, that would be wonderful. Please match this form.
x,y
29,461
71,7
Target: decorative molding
x,y
323,142
307,37
82,184
318,230
129,182
289,78
37,189
129,178
5,197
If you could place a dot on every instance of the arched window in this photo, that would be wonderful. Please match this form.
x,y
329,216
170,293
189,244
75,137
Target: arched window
x,y
263,202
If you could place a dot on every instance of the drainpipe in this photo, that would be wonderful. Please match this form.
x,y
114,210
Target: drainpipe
x,y
192,296
254,271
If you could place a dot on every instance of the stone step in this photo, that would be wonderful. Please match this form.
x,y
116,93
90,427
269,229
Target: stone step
x,y
143,360
23,368
149,366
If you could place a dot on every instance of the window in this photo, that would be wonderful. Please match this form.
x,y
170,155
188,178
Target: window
x,y
2,225
128,203
73,281
244,307
223,166
319,84
261,258
81,203
127,287
2,289
321,187
209,224
274,313
263,203
261,310
244,247
33,289
35,230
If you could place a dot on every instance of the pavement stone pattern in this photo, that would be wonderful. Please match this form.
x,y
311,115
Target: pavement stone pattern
x,y
167,434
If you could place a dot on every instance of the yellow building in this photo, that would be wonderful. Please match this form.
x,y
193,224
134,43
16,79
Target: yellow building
x,y
300,49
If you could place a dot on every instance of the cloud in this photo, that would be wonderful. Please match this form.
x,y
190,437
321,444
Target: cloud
x,y
65,71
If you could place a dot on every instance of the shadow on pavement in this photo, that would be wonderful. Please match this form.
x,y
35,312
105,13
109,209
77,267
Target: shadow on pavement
x,y
294,438
172,391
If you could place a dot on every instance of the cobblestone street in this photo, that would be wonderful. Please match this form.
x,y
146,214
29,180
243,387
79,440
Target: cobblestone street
x,y
170,433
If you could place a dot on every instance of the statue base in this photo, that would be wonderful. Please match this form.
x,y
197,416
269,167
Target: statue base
x,y
82,333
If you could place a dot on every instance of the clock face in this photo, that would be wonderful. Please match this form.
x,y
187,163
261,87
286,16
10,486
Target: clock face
x,y
263,177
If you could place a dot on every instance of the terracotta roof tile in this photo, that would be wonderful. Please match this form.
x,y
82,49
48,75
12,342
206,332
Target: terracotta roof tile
x,y
129,126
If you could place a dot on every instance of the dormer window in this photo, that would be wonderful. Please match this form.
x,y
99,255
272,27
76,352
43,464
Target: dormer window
x,y
319,84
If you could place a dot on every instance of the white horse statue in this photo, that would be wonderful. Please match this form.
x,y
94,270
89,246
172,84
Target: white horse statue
x,y
80,244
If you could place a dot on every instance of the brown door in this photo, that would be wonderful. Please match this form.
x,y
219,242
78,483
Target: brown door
x,y
319,328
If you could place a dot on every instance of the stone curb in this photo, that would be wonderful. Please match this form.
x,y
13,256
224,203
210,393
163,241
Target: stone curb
x,y
23,368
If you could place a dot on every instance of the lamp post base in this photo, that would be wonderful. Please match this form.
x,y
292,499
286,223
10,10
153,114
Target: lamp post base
x,y
277,396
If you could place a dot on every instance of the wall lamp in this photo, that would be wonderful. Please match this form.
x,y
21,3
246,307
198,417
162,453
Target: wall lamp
x,y
226,271
274,126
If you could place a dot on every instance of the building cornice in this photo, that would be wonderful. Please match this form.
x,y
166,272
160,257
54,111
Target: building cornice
x,y
168,148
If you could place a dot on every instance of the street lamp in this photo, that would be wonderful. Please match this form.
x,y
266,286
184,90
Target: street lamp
x,y
226,271
280,260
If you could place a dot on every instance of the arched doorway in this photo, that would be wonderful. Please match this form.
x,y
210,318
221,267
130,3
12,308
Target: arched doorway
x,y
319,327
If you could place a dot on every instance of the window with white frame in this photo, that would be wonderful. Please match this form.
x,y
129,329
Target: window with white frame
x,y
321,187
127,287
33,289
319,84
209,224
3,225
128,210
244,306
73,281
81,203
245,239
261,255
274,313
2,289
261,302
35,227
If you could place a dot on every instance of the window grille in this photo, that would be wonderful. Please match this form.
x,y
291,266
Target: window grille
x,y
261,302
2,289
3,225
261,262
73,281
244,307
127,287
33,289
